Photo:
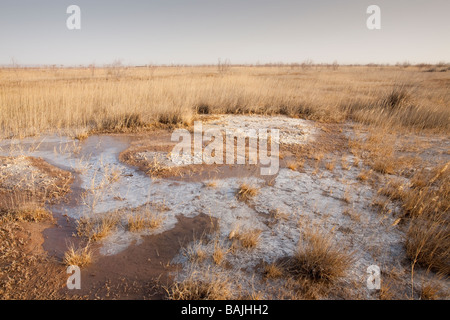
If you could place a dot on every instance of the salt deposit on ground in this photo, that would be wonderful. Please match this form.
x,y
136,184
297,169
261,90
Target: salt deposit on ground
x,y
292,131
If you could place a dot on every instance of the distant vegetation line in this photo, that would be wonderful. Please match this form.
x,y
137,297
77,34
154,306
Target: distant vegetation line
x,y
120,98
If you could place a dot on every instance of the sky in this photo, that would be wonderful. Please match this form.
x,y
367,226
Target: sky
x,y
34,32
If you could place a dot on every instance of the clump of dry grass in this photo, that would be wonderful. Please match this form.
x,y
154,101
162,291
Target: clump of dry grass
x,y
273,271
27,211
172,118
386,292
318,258
196,252
377,151
146,220
78,257
213,286
383,165
329,165
81,136
156,167
428,235
293,165
249,238
219,253
394,189
397,97
95,229
279,215
246,192
199,290
352,214
211,184
364,175
121,122
203,109
430,193
381,204
425,202
199,255
428,242
430,291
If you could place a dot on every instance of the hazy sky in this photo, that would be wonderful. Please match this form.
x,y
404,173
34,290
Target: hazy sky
x,y
243,31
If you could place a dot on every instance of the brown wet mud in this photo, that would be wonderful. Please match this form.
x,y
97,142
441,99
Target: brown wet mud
x,y
142,270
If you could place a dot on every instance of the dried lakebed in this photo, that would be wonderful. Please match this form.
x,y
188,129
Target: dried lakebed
x,y
335,203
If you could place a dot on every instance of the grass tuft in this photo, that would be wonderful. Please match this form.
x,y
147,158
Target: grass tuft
x,y
318,258
144,221
249,238
78,257
96,229
246,192
213,287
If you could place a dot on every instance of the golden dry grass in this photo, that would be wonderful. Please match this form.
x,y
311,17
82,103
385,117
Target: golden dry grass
x,y
430,291
27,211
329,165
424,195
196,252
203,286
211,184
381,165
219,253
428,242
426,203
364,175
352,214
272,271
78,257
386,292
146,220
40,100
95,229
394,189
246,192
318,258
293,165
345,165
381,204
249,238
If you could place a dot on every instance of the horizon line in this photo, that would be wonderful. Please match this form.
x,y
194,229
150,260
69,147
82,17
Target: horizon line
x,y
304,63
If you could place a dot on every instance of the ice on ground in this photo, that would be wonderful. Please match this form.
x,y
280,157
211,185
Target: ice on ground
x,y
19,173
303,201
292,131
166,160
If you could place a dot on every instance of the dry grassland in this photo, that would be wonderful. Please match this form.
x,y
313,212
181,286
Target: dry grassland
x,y
382,103
123,99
